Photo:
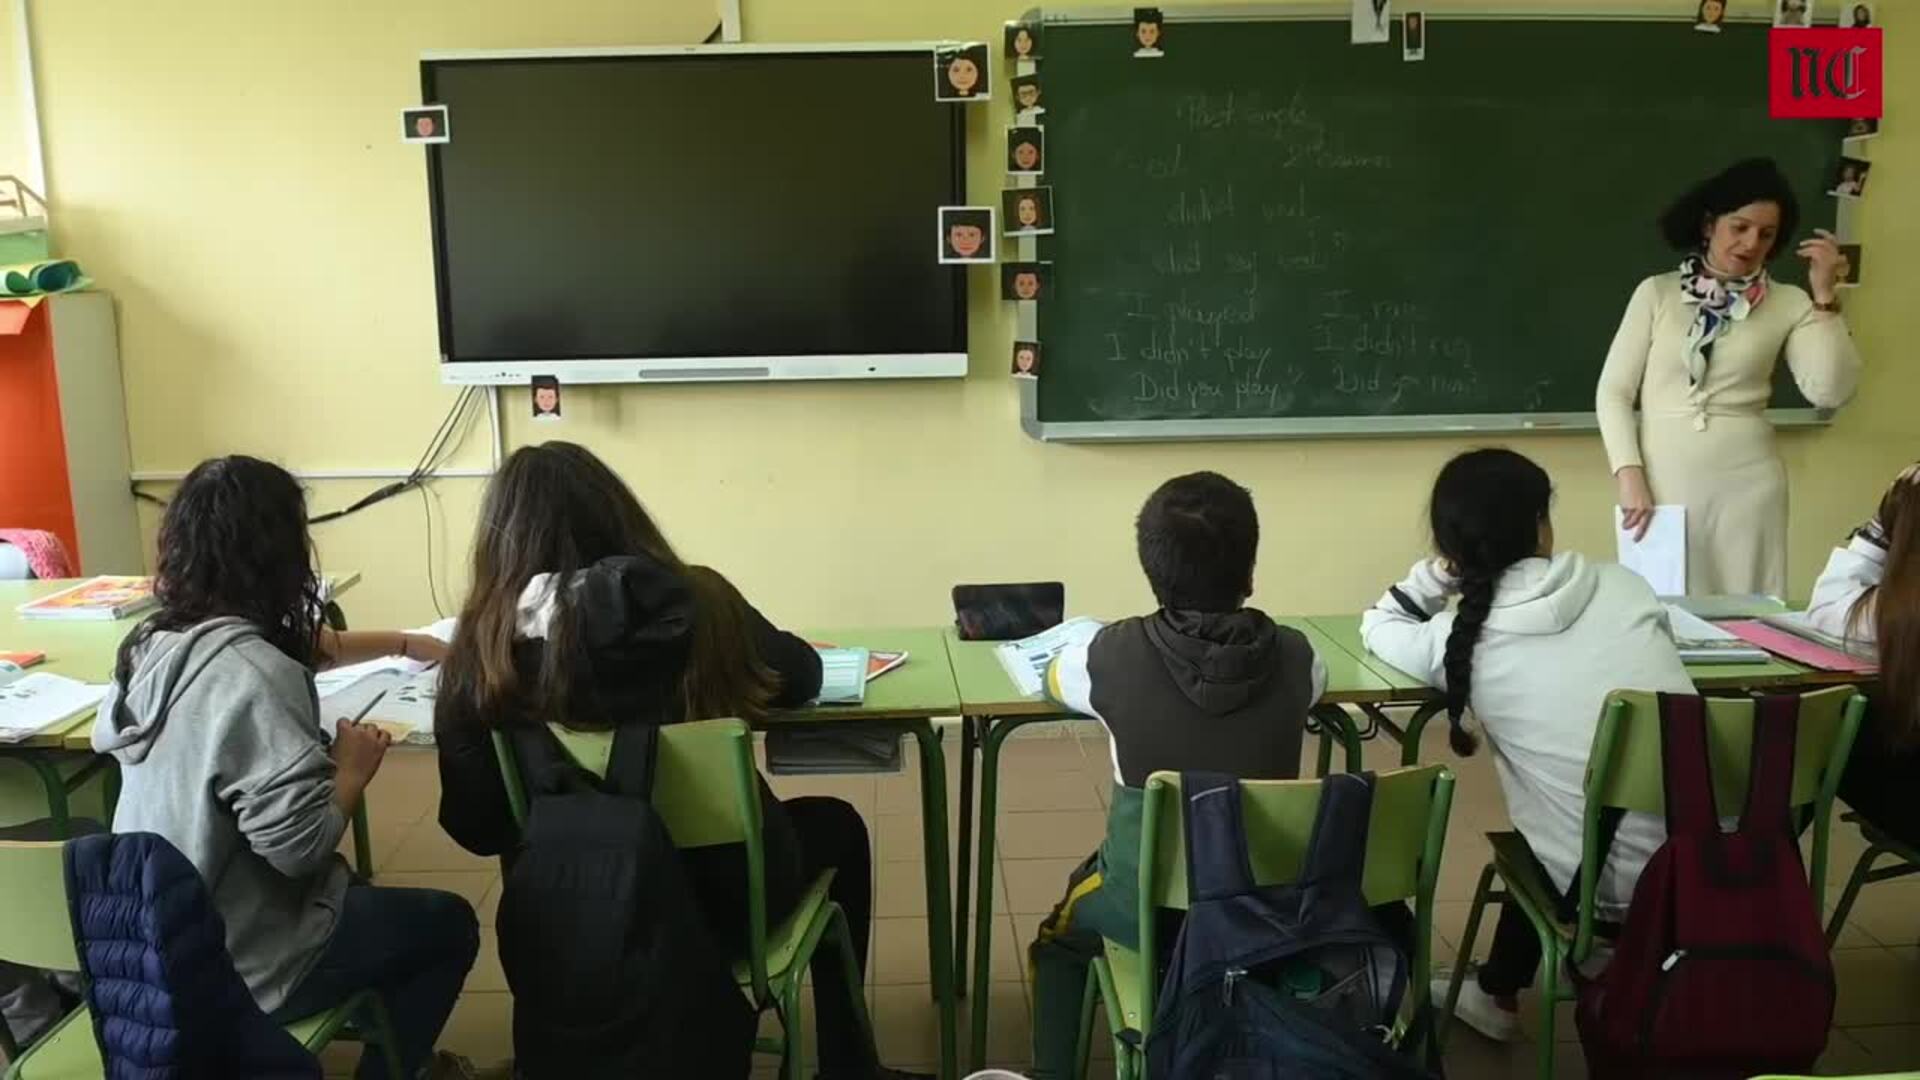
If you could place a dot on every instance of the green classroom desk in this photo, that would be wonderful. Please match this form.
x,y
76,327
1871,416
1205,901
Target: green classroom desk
x,y
77,650
908,699
1344,630
991,709
62,756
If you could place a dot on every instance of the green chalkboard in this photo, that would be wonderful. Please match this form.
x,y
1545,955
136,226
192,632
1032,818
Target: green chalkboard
x,y
1269,221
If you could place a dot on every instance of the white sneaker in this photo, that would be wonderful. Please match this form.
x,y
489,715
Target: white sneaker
x,y
1477,1007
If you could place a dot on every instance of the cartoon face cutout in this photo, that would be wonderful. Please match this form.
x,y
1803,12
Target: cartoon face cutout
x,y
1022,42
1026,285
1027,212
963,75
965,238
1026,92
1026,156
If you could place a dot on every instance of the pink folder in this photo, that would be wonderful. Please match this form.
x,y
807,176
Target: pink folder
x,y
1798,649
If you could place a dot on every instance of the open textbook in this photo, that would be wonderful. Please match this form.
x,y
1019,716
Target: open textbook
x,y
1701,642
31,702
1026,660
392,693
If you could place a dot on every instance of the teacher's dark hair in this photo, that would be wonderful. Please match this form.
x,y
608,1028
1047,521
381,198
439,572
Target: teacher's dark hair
x,y
1740,184
234,543
1486,513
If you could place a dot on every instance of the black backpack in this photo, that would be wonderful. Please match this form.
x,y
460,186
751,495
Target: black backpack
x,y
1295,980
613,970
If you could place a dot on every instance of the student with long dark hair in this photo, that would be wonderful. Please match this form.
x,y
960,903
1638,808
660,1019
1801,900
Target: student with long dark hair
x,y
580,614
1869,595
213,720
1535,643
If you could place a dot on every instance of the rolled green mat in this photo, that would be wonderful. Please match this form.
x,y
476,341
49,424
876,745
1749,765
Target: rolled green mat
x,y
28,279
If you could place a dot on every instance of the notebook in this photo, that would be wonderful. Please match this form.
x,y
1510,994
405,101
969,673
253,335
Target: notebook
x,y
31,702
1701,642
102,599
1798,649
1795,623
21,659
1026,660
843,675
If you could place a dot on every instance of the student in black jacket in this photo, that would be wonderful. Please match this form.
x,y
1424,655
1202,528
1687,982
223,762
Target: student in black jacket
x,y
581,614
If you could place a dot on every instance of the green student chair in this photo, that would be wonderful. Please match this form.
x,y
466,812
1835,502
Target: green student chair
x,y
1879,842
1406,836
37,932
706,791
1623,771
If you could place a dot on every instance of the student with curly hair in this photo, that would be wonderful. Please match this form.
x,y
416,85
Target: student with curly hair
x,y
213,720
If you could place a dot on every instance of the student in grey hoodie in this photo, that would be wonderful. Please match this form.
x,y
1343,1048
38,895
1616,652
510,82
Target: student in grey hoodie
x,y
213,719
1537,641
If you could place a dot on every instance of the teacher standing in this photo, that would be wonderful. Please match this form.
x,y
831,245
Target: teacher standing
x,y
1697,347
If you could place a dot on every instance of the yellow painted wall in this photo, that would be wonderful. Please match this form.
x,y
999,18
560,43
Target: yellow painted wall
x,y
230,169
13,127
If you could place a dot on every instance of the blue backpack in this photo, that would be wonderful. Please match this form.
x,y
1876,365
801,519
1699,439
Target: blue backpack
x,y
1295,980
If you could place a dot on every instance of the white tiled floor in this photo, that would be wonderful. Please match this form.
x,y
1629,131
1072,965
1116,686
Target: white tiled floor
x,y
1053,793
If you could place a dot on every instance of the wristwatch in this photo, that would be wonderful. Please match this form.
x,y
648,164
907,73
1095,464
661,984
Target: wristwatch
x,y
1831,306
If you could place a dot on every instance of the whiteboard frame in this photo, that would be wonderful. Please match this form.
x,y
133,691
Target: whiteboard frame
x,y
1343,427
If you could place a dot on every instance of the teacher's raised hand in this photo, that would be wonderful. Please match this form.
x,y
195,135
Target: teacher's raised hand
x,y
1636,501
1822,252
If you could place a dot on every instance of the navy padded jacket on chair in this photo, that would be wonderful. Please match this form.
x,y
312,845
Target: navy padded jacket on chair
x,y
165,998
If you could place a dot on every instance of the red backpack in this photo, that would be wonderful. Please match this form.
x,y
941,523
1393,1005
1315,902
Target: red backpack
x,y
1721,968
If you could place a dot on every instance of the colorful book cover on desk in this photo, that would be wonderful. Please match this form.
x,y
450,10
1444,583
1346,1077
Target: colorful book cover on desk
x,y
22,659
843,675
1795,623
1800,650
1026,660
1701,642
879,661
102,598
33,702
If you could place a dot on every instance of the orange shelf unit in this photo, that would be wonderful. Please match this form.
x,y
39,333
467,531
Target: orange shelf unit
x,y
64,465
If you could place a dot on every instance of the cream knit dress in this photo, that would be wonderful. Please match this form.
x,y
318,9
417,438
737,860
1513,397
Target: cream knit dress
x,y
1709,448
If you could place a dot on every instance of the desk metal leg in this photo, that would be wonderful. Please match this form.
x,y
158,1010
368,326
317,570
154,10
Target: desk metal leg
x,y
55,786
994,734
933,825
1409,736
963,872
1335,723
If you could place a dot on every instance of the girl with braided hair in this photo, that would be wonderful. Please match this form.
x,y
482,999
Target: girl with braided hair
x,y
1534,643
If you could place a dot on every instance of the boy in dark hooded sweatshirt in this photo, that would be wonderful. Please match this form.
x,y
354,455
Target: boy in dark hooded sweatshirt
x,y
1205,682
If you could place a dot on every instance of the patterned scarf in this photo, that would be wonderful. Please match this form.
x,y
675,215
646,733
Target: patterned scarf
x,y
1721,303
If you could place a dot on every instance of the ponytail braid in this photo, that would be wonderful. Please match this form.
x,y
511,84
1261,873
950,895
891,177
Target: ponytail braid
x,y
1476,601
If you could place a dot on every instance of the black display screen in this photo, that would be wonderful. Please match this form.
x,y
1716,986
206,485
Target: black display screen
x,y
703,205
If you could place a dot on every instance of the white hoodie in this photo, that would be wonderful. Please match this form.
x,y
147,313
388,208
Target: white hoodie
x,y
1562,635
1850,572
